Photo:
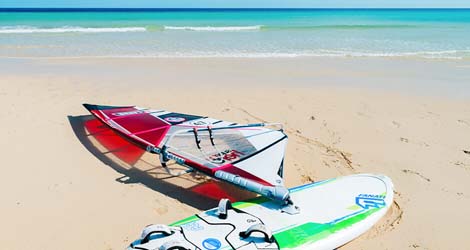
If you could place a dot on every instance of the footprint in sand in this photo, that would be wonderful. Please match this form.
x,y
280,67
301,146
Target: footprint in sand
x,y
433,114
392,220
462,165
397,124
307,178
420,143
363,114
407,171
464,122
161,210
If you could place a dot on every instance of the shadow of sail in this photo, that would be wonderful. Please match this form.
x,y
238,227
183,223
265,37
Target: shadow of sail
x,y
139,167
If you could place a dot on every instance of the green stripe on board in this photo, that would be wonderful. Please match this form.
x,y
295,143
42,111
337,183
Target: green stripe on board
x,y
310,232
300,235
354,207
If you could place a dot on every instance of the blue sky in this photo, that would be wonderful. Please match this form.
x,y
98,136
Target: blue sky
x,y
236,3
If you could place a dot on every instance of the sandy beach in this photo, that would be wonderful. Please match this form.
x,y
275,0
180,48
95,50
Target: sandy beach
x,y
405,118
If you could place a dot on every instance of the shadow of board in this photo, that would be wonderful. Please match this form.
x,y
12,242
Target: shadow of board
x,y
138,166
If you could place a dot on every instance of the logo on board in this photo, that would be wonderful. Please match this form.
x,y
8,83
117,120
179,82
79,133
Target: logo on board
x,y
211,244
174,119
193,226
199,123
367,201
226,155
135,112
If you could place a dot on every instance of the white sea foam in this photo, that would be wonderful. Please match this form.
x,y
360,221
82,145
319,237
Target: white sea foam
x,y
67,29
213,28
443,54
57,51
449,55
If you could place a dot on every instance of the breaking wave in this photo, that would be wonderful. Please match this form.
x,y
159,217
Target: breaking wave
x,y
213,28
72,29
150,28
446,55
29,30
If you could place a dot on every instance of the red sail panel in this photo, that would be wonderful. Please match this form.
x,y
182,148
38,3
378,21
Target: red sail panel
x,y
136,124
154,136
141,123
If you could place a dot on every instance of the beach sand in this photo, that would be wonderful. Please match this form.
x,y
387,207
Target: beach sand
x,y
405,118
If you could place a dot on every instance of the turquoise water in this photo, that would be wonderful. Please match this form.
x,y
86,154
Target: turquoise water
x,y
434,34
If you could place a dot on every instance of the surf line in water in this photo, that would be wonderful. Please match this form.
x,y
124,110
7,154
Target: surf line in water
x,y
78,29
66,29
213,28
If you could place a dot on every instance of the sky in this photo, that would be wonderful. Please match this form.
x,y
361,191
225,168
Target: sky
x,y
236,3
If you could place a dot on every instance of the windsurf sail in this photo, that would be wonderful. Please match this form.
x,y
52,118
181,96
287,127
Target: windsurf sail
x,y
250,156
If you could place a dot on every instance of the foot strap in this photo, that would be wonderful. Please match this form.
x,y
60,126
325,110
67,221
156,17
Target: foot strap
x,y
260,228
156,229
224,205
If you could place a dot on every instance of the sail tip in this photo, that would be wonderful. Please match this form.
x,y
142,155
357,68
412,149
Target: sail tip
x,y
90,107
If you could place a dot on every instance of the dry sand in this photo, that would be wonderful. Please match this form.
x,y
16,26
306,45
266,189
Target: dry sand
x,y
61,189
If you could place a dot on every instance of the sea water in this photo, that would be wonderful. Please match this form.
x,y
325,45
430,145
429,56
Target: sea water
x,y
423,33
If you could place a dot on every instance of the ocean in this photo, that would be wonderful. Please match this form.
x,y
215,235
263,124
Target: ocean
x,y
423,33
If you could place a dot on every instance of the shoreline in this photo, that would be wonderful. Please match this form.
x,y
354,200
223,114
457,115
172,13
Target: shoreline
x,y
412,56
405,76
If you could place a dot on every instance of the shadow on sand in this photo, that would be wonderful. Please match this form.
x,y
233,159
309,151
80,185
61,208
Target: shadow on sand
x,y
127,159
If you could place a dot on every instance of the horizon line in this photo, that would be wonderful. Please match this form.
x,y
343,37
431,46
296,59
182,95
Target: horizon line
x,y
26,9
